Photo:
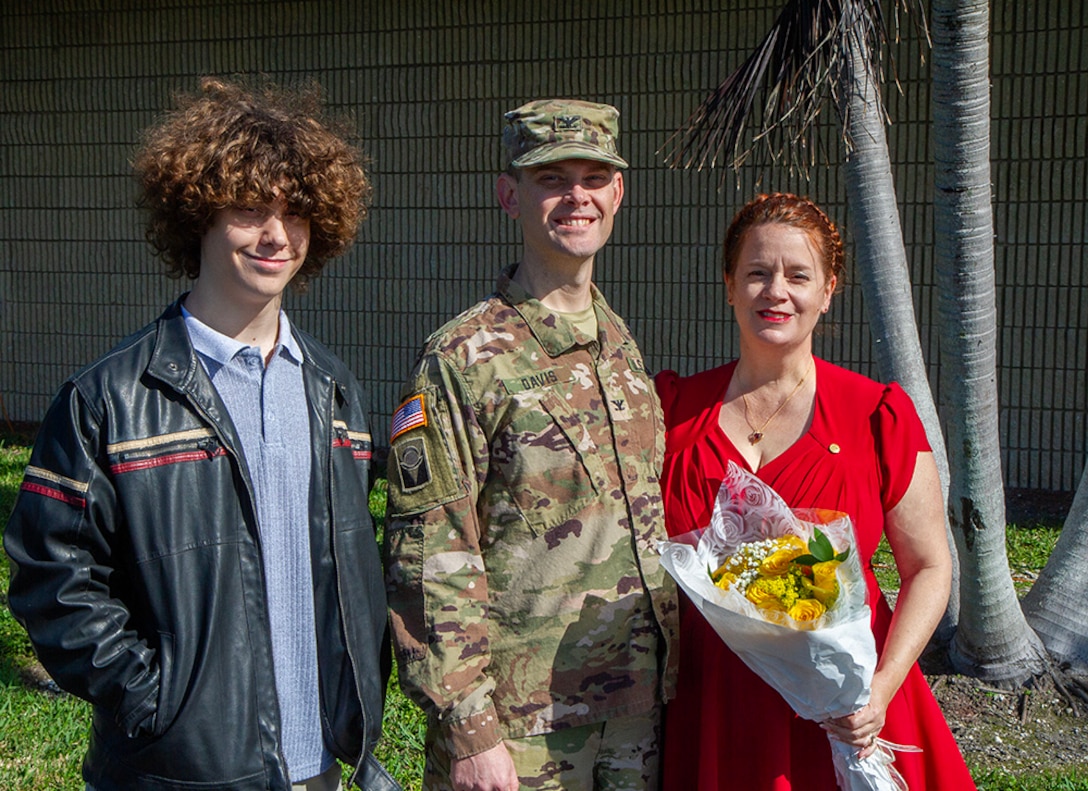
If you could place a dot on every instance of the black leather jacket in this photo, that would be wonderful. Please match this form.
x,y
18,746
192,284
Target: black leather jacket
x,y
137,571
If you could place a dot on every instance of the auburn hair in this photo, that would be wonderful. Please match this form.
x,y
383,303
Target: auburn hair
x,y
797,212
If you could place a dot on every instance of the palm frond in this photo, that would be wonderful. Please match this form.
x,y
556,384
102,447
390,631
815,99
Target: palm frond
x,y
798,66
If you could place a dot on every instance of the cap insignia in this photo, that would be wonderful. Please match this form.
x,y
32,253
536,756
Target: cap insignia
x,y
568,123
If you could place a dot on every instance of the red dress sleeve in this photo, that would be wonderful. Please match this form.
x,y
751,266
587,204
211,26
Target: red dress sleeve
x,y
667,383
899,437
690,403
694,461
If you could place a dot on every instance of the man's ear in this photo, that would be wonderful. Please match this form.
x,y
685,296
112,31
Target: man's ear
x,y
618,186
507,190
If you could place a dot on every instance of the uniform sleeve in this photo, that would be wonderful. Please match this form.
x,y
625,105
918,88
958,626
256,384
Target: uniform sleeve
x,y
900,437
61,539
436,580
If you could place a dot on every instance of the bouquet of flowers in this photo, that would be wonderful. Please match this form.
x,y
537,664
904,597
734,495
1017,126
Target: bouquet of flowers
x,y
784,589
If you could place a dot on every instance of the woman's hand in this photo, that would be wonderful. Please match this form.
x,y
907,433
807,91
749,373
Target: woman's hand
x,y
861,728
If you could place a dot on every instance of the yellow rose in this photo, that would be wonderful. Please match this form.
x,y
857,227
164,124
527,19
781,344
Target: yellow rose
x,y
790,541
824,573
778,563
764,594
806,610
824,585
724,579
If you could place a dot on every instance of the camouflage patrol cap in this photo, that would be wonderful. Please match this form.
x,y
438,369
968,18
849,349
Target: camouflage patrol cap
x,y
549,130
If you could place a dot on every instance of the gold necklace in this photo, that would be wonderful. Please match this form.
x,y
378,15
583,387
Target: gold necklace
x,y
757,433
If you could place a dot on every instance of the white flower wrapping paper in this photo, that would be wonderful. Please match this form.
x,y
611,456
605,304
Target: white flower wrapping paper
x,y
823,668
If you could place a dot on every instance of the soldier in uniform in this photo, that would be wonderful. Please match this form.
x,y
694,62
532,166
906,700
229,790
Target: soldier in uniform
x,y
531,617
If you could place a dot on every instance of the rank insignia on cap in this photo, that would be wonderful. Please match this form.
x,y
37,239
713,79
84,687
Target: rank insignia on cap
x,y
568,123
409,415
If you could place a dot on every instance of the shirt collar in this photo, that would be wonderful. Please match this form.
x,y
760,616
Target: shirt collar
x,y
222,348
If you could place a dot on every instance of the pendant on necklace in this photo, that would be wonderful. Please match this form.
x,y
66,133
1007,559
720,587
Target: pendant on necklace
x,y
755,437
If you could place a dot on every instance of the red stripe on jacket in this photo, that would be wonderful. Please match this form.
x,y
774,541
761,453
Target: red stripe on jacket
x,y
162,461
73,500
361,455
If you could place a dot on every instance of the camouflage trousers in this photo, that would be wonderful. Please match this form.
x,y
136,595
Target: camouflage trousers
x,y
621,754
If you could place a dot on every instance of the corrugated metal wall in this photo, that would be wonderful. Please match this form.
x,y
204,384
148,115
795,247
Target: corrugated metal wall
x,y
427,84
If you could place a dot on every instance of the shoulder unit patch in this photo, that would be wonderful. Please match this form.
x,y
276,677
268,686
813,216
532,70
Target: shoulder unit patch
x,y
415,469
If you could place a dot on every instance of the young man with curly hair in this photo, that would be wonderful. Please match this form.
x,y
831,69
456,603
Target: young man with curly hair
x,y
192,551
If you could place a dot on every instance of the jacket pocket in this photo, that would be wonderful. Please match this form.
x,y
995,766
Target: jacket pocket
x,y
168,696
178,447
358,442
180,490
371,776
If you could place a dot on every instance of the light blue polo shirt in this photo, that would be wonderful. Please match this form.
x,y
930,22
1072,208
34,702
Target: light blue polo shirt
x,y
268,407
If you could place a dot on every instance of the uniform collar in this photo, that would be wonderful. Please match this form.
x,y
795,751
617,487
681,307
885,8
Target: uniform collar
x,y
555,333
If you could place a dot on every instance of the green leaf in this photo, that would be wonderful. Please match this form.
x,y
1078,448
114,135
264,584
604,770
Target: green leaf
x,y
820,546
805,560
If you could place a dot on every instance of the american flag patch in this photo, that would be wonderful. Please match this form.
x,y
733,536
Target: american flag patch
x,y
408,416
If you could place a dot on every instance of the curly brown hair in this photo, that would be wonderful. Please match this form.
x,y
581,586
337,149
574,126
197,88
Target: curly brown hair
x,y
795,211
233,145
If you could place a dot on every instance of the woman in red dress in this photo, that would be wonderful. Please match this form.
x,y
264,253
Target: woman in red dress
x,y
822,437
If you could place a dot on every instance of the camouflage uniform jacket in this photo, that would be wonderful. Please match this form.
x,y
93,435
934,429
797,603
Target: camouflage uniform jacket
x,y
524,510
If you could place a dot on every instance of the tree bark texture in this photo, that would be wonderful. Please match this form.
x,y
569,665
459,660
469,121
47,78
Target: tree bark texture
x,y
1056,606
881,264
993,640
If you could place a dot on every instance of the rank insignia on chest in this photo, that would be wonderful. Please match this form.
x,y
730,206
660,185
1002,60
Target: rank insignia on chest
x,y
409,415
618,408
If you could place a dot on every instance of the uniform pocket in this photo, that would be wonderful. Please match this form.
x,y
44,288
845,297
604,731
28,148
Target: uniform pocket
x,y
549,463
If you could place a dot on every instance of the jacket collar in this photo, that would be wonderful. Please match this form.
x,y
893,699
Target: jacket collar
x,y
173,359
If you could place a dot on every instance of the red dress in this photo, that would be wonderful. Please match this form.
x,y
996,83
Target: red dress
x,y
726,729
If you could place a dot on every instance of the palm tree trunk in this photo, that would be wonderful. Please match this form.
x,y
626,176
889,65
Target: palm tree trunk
x,y
993,640
881,262
1056,605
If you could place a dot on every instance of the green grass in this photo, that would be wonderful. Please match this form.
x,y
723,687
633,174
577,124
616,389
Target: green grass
x,y
1000,780
44,735
44,738
401,747
1027,548
15,651
884,567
